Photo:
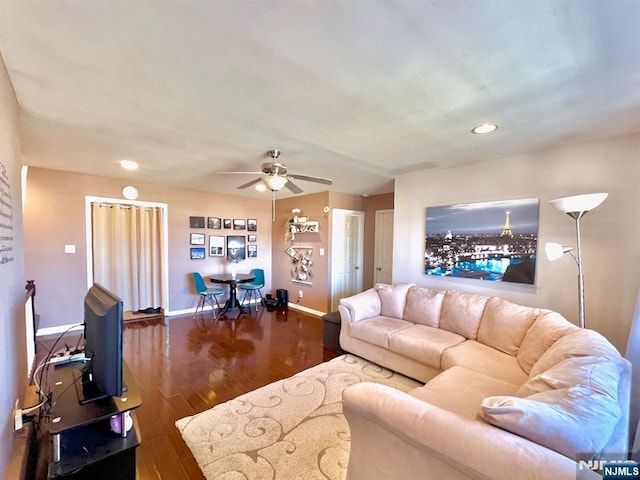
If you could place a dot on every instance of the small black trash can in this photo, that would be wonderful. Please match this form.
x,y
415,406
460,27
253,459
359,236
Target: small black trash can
x,y
283,297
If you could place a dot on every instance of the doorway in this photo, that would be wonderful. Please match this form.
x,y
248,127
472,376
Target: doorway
x,y
129,256
383,253
347,246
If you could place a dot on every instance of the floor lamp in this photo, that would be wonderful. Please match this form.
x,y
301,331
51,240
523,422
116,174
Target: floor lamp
x,y
576,207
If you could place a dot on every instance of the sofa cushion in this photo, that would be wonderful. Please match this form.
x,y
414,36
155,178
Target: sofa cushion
x,y
480,358
377,330
504,324
422,343
580,343
460,390
393,299
571,421
362,305
424,306
602,376
461,313
544,332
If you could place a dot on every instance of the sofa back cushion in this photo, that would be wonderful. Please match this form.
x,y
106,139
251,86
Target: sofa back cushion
x,y
579,343
424,306
393,299
544,332
505,324
461,313
572,421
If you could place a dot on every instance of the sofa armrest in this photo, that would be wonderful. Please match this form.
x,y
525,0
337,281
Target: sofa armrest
x,y
360,306
395,435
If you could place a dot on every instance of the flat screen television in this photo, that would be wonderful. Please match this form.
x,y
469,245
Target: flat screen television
x,y
103,324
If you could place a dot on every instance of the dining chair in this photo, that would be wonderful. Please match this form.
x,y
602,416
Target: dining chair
x,y
252,289
209,294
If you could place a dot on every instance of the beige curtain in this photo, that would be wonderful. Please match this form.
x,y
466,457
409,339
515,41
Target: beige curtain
x,y
127,252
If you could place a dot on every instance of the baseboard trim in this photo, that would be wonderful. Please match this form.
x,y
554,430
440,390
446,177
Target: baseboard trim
x,y
310,311
57,330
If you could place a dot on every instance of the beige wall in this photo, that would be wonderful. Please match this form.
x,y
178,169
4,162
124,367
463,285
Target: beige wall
x,y
55,217
13,363
610,234
316,296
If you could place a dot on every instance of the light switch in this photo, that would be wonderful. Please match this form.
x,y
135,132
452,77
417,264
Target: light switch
x,y
322,252
69,249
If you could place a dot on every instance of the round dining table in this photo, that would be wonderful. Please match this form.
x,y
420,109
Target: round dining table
x,y
232,280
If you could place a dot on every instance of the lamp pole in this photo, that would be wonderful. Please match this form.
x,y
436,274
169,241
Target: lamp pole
x,y
581,315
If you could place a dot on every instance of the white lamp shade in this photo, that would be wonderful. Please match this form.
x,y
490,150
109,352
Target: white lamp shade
x,y
555,251
274,182
578,203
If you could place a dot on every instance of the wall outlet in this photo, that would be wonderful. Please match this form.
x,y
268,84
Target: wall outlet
x,y
300,294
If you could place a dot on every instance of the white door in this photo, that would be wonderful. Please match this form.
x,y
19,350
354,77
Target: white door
x,y
347,244
383,256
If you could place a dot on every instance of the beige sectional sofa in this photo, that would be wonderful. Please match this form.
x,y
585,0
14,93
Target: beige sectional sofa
x,y
511,391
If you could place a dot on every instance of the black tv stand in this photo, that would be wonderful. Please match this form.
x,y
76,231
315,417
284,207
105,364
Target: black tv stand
x,y
82,443
90,392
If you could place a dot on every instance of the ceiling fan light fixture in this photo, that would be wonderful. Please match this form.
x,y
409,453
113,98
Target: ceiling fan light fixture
x,y
261,187
274,182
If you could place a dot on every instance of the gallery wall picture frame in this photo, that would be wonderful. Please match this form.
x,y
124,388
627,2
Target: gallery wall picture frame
x,y
216,246
236,248
252,225
239,224
226,223
196,222
197,239
197,253
252,238
252,251
214,222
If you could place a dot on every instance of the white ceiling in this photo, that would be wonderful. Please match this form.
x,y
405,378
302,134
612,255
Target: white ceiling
x,y
355,90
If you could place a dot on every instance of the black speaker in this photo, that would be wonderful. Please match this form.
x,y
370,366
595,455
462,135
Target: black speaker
x,y
283,297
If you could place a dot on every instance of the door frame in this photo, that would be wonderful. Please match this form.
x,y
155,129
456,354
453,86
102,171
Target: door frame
x,y
376,242
88,200
337,233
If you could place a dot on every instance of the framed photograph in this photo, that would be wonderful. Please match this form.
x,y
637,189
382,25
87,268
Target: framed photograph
x,y
252,251
197,253
239,224
216,246
226,223
490,241
196,222
252,224
197,239
253,238
214,222
236,248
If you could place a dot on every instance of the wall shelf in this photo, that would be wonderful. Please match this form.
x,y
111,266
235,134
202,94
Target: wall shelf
x,y
304,227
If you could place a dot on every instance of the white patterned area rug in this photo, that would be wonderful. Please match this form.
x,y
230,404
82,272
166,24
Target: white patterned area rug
x,y
290,429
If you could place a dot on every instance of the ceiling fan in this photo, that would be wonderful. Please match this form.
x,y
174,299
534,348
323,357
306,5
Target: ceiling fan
x,y
274,176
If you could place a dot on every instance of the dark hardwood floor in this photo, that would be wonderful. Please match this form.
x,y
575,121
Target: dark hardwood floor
x,y
191,364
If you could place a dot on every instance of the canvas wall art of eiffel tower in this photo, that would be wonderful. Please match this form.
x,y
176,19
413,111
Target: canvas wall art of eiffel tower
x,y
495,241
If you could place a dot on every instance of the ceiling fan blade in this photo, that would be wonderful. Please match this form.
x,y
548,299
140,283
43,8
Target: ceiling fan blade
x,y
240,173
293,187
248,184
307,178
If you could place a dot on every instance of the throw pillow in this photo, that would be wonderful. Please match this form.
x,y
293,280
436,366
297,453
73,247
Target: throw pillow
x,y
572,421
424,306
393,299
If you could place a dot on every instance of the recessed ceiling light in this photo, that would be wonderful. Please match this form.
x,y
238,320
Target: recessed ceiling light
x,y
485,128
261,187
128,164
